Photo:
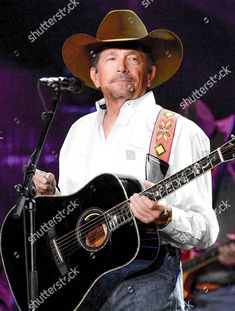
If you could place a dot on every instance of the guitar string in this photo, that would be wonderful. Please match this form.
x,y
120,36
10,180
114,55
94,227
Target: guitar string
x,y
97,219
109,211
69,244
74,246
78,229
78,237
90,223
87,225
82,238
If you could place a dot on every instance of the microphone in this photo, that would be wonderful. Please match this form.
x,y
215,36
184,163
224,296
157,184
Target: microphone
x,y
66,84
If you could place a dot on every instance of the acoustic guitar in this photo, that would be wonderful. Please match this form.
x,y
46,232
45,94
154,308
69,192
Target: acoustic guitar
x,y
97,235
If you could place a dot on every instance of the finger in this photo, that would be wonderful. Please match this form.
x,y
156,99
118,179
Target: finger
x,y
50,177
45,189
144,209
40,176
135,203
44,178
148,184
138,207
142,200
44,182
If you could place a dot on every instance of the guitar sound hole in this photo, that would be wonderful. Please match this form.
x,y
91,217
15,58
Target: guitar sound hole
x,y
93,232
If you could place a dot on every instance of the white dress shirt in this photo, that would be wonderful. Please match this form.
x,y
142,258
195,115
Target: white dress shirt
x,y
86,153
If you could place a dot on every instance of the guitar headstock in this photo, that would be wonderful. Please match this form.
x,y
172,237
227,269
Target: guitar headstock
x,y
228,150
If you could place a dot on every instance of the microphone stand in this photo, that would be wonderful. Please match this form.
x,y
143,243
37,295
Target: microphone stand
x,y
26,201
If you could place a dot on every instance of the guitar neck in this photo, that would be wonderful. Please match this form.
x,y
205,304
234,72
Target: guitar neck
x,y
181,178
121,214
200,261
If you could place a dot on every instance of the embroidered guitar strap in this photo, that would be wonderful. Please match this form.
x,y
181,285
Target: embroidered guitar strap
x,y
163,134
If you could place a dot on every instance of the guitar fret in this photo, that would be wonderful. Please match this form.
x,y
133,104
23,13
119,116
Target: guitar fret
x,y
118,216
151,196
177,181
196,169
207,166
169,186
166,188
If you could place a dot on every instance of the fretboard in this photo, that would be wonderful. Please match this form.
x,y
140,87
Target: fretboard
x,y
122,214
181,178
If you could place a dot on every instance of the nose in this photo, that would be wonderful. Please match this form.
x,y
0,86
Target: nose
x,y
122,66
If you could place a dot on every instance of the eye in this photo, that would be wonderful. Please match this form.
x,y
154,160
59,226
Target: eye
x,y
134,59
110,58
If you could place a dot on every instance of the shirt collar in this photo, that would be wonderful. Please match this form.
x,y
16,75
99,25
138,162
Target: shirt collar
x,y
101,106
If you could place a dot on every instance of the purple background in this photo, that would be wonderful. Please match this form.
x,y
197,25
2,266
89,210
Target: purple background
x,y
205,27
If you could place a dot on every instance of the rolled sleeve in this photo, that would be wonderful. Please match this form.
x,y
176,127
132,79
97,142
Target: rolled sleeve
x,y
194,223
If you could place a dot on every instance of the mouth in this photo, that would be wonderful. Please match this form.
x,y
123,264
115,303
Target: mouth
x,y
122,79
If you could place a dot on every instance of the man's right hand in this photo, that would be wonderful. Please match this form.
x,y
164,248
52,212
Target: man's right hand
x,y
44,182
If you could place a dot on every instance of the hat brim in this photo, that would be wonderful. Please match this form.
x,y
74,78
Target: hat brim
x,y
165,46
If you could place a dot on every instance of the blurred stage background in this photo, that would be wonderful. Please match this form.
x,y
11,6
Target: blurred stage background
x,y
206,28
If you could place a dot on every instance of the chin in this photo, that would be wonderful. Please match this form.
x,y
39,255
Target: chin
x,y
122,95
122,92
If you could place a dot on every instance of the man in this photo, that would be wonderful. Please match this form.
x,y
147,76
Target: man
x,y
124,61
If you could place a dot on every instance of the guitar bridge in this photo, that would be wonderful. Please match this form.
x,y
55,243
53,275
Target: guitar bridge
x,y
56,253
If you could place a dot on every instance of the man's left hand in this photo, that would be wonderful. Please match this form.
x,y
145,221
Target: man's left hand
x,y
148,211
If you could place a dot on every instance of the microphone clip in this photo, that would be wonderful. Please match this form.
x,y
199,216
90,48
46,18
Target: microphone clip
x,y
64,84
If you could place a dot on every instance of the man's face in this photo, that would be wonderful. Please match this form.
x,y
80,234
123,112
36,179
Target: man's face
x,y
122,73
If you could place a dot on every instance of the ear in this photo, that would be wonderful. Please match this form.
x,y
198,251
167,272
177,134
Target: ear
x,y
94,76
151,75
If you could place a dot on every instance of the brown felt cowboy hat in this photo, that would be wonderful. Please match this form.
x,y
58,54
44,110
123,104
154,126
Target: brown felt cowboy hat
x,y
124,27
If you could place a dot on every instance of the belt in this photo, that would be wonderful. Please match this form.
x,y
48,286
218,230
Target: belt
x,y
168,249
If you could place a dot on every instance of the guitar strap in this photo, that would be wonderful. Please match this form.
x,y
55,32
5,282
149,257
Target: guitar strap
x,y
163,134
157,160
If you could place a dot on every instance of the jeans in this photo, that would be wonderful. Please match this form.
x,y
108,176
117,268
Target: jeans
x,y
157,290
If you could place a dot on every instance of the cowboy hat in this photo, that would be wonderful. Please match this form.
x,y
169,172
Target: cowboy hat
x,y
122,27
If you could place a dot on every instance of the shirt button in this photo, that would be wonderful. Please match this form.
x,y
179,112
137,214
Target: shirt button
x,y
130,289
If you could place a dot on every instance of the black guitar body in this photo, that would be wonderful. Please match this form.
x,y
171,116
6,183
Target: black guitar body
x,y
88,234
79,239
